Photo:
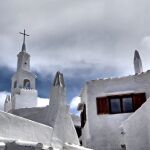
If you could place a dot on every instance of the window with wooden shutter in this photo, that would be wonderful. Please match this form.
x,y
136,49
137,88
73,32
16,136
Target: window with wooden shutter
x,y
138,100
102,105
115,104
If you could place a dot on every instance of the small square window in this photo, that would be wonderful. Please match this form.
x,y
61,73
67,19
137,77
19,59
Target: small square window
x,y
115,105
127,104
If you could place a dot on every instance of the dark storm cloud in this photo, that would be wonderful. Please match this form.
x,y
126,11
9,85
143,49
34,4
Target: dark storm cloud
x,y
5,79
43,85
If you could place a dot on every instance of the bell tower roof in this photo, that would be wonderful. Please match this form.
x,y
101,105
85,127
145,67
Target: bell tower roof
x,y
23,57
24,44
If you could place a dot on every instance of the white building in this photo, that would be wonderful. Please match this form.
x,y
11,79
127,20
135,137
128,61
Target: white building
x,y
23,92
111,114
23,126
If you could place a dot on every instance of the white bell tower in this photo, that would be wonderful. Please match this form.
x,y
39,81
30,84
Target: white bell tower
x,y
23,92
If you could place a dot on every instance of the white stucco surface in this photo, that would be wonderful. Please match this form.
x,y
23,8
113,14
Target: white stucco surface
x,y
136,129
25,98
102,131
37,114
59,117
7,104
23,61
68,146
16,128
19,76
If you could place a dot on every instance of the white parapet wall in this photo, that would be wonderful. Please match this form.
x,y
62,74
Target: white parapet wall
x,y
14,128
135,131
26,98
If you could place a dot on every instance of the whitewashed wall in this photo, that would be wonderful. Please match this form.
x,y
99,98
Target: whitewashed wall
x,y
22,98
59,117
16,128
137,129
19,76
26,98
104,130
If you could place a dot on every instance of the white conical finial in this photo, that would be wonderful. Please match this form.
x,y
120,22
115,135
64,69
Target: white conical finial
x,y
24,45
7,99
59,80
137,63
7,104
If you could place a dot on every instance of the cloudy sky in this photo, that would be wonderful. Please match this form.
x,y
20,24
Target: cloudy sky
x,y
84,39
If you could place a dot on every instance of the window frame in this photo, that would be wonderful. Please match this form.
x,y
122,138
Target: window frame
x,y
120,97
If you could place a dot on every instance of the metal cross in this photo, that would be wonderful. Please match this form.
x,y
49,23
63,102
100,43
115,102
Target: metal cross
x,y
24,35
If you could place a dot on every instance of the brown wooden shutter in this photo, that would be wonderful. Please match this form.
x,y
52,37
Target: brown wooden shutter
x,y
102,105
138,100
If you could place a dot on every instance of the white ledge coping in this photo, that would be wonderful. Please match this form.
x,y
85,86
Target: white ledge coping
x,y
117,78
2,144
26,143
75,147
20,142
